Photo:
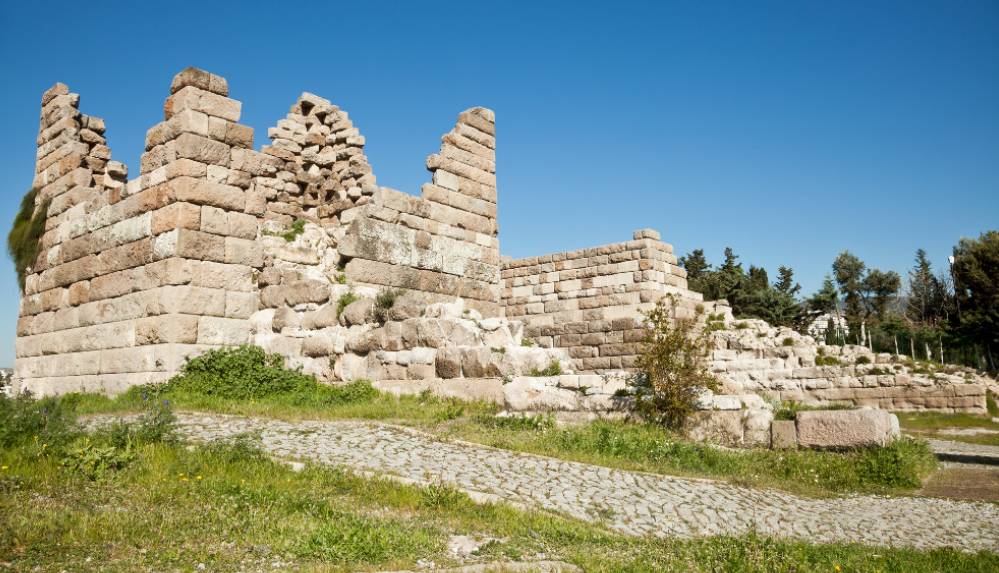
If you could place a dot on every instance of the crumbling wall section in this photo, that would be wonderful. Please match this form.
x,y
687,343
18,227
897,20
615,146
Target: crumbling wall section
x,y
590,301
444,243
133,278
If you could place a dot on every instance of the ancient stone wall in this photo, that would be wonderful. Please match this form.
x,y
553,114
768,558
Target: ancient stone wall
x,y
135,276
590,301
752,356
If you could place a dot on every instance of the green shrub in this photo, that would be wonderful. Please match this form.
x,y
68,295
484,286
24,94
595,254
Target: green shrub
x,y
787,342
862,360
95,460
243,372
249,373
344,300
527,342
672,365
554,368
741,325
25,233
822,360
384,302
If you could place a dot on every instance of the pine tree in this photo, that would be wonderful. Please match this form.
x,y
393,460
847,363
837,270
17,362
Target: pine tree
x,y
698,270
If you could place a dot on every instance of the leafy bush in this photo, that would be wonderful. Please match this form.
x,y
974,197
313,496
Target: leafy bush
x,y
862,360
243,372
787,342
26,231
95,460
344,300
249,373
554,368
527,342
672,365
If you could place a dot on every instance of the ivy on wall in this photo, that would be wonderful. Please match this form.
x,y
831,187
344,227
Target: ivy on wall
x,y
22,242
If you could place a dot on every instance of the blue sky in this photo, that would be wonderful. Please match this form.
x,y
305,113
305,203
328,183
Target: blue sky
x,y
788,130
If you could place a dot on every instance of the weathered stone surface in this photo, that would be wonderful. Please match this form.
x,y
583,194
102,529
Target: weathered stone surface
x,y
834,429
783,435
527,393
358,312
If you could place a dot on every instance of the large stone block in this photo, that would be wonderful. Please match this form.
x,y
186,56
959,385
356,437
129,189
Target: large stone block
x,y
838,429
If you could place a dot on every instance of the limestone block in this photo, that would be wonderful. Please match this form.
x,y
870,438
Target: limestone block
x,y
198,245
175,216
539,394
242,252
200,79
783,435
184,299
307,291
448,363
836,429
358,312
241,304
224,331
201,149
162,329
231,277
716,426
285,317
213,104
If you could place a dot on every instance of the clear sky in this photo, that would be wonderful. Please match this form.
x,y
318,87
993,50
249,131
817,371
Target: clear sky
x,y
788,130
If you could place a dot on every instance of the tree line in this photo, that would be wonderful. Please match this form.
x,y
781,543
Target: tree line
x,y
947,315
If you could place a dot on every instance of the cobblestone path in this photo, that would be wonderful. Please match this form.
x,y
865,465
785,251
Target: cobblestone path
x,y
630,502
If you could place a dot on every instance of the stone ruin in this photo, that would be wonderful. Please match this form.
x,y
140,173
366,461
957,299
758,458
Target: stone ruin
x,y
295,248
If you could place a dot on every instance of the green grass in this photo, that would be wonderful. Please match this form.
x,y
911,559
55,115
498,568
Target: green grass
x,y
246,381
635,446
231,508
627,445
930,424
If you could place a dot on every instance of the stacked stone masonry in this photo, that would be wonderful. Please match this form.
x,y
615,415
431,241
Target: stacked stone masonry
x,y
589,301
295,248
134,276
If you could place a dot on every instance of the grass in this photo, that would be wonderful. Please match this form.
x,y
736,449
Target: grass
x,y
930,424
229,507
620,444
247,381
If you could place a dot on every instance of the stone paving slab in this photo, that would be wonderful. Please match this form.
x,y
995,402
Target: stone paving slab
x,y
965,452
630,502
